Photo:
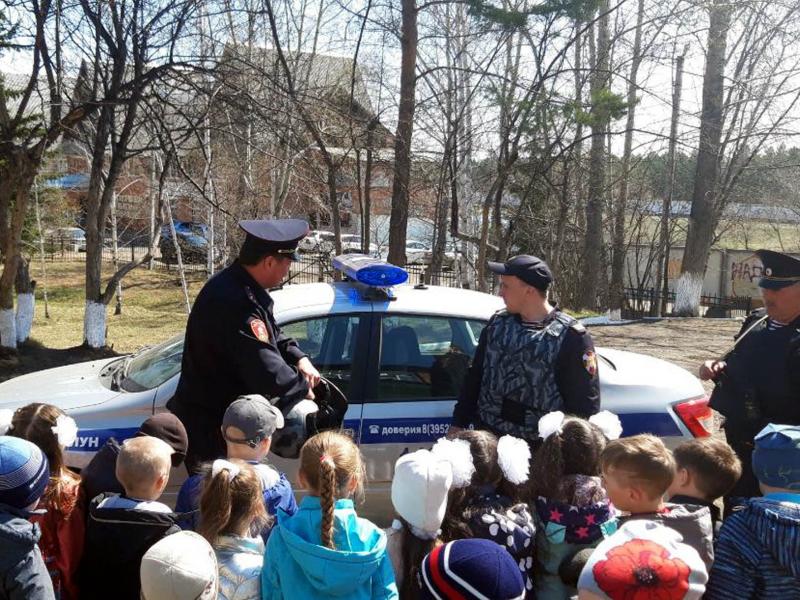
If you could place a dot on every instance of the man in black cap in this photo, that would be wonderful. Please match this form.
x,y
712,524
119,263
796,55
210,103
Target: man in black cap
x,y
531,359
233,345
758,381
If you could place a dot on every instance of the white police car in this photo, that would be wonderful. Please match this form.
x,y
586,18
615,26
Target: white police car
x,y
399,361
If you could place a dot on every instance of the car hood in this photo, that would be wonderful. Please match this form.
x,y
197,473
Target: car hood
x,y
635,380
68,387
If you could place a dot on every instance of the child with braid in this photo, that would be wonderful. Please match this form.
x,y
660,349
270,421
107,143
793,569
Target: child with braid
x,y
325,549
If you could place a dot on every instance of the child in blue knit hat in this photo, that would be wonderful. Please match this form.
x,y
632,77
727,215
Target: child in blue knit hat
x,y
24,474
758,552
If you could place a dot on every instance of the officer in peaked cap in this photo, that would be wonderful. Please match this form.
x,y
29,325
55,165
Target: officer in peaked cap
x,y
531,359
758,381
233,346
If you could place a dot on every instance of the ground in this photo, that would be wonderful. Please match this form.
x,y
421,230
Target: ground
x,y
153,310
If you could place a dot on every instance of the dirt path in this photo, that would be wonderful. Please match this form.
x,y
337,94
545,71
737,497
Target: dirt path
x,y
685,342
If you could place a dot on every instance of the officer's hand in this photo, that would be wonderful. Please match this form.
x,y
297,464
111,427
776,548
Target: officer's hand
x,y
308,371
711,369
310,395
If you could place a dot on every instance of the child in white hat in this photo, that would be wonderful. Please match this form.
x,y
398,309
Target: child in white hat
x,y
181,566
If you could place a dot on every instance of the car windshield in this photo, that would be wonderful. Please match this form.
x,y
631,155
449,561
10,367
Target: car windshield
x,y
151,367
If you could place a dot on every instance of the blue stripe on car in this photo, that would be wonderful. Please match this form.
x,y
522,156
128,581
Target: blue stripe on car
x,y
399,431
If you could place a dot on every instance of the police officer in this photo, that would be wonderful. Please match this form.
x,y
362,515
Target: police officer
x,y
233,345
758,381
531,359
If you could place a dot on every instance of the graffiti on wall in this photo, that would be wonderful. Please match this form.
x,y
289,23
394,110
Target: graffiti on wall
x,y
745,274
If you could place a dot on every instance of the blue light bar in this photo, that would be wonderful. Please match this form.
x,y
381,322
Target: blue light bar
x,y
370,271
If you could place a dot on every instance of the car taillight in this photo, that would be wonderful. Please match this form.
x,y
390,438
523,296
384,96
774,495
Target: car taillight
x,y
697,416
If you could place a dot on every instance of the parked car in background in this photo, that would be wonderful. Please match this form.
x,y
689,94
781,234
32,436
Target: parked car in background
x,y
193,239
351,244
317,241
416,252
65,239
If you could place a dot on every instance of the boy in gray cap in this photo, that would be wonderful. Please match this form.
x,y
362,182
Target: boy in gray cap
x,y
247,428
758,552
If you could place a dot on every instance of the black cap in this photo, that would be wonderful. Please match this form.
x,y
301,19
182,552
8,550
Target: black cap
x,y
780,270
533,271
274,235
167,427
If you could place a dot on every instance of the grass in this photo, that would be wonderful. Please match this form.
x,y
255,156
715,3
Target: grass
x,y
736,235
152,307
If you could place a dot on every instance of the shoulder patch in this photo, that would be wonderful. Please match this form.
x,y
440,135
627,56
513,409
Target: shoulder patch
x,y
259,329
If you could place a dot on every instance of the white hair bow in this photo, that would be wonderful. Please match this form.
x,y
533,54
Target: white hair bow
x,y
458,454
6,416
551,423
66,430
221,464
514,456
608,423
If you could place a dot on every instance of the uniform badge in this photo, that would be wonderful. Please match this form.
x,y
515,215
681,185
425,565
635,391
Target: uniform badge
x,y
260,330
590,363
768,272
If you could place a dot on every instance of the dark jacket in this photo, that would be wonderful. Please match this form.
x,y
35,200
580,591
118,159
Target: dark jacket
x,y
23,575
575,370
116,540
691,521
100,474
758,553
233,346
277,491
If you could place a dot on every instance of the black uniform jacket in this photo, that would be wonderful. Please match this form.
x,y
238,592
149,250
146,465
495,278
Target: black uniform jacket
x,y
233,347
760,385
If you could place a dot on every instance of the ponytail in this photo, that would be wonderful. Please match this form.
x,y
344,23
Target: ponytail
x,y
327,489
329,462
232,500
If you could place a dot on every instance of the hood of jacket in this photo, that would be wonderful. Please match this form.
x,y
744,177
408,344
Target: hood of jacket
x,y
360,546
122,535
18,536
776,525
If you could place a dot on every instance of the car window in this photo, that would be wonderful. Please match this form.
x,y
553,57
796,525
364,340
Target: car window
x,y
425,357
151,367
329,342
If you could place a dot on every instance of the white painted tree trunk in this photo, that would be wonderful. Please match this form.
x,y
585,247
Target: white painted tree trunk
x,y
24,320
8,328
688,290
94,324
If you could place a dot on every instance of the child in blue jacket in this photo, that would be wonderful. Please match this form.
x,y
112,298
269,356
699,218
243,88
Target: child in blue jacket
x,y
325,549
758,551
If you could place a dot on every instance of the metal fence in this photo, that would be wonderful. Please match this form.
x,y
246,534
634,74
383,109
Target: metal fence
x,y
641,302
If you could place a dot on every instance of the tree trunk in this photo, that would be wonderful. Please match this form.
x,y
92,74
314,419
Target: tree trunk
x,y
25,301
661,284
593,240
40,236
398,222
705,213
619,247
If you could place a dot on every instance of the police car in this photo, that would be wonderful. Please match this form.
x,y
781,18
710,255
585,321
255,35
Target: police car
x,y
399,353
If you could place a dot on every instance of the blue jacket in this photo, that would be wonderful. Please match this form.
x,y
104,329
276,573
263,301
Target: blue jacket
x,y
23,575
297,566
758,552
278,493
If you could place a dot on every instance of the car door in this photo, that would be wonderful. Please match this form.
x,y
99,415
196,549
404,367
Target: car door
x,y
418,364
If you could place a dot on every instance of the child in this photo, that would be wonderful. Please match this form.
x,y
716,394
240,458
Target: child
x,y
122,527
758,552
470,569
325,549
572,507
232,516
706,469
100,474
637,472
247,428
489,506
182,566
63,525
421,483
24,474
643,559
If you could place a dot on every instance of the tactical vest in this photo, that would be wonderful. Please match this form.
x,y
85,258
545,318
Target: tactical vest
x,y
519,379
